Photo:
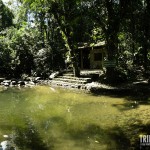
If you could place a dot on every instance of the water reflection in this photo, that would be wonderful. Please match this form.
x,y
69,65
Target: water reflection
x,y
29,138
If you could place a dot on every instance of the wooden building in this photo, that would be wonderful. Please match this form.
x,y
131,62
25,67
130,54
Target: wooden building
x,y
92,57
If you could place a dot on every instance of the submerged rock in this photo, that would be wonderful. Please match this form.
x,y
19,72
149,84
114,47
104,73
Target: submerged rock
x,y
7,145
1,147
5,136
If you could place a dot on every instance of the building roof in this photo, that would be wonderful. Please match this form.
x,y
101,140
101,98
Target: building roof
x,y
88,45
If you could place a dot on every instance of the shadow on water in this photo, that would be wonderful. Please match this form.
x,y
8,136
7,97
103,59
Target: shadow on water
x,y
116,138
5,127
52,122
143,130
113,138
28,138
136,94
133,131
127,106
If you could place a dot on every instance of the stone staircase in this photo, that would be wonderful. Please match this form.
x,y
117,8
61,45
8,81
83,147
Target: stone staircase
x,y
67,80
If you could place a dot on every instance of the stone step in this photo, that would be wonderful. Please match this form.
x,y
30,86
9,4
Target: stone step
x,y
68,74
67,84
70,80
76,78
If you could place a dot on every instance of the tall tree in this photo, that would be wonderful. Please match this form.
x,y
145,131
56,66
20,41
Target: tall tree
x,y
108,14
67,15
146,33
6,16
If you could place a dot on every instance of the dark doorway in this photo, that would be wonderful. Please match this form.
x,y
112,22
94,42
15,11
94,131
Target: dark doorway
x,y
86,58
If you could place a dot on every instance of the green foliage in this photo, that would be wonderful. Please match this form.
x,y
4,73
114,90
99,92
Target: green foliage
x,y
6,16
46,61
58,26
5,59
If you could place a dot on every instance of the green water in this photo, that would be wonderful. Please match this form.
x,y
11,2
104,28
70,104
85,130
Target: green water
x,y
41,118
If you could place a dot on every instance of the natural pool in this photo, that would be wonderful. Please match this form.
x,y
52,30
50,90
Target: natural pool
x,y
44,118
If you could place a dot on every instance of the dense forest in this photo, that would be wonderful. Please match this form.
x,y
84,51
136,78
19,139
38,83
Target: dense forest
x,y
38,37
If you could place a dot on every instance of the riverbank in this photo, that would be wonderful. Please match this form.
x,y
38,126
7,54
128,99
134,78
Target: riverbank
x,y
135,90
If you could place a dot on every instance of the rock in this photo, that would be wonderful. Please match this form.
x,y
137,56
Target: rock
x,y
31,83
13,82
37,78
6,82
53,75
21,83
79,86
28,79
88,87
6,145
1,147
5,136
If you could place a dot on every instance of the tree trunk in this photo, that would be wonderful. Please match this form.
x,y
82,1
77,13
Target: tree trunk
x,y
68,39
74,61
146,35
112,51
111,40
145,55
